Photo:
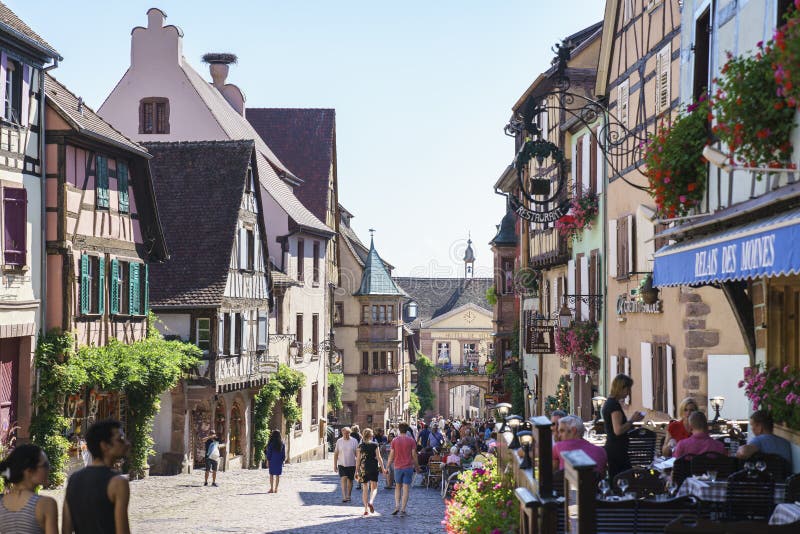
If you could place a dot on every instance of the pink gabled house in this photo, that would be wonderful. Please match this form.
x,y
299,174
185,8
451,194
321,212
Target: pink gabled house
x,y
102,231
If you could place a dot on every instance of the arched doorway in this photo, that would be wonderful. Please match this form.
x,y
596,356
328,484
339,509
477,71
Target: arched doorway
x,y
237,434
202,425
466,401
219,420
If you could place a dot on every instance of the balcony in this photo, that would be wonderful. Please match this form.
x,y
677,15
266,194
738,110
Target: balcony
x,y
379,381
548,248
378,333
248,368
461,370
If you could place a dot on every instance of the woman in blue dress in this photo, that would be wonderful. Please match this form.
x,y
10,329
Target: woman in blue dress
x,y
276,455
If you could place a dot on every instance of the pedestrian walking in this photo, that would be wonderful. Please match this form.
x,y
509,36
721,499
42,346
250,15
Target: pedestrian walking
x,y
617,425
276,455
97,496
212,457
404,458
369,465
356,433
344,461
22,511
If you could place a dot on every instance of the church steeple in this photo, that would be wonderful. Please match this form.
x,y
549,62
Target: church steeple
x,y
469,260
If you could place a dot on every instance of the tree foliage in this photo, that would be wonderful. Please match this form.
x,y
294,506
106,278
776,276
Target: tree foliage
x,y
413,403
335,385
425,373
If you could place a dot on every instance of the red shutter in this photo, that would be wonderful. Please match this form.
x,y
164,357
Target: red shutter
x,y
15,202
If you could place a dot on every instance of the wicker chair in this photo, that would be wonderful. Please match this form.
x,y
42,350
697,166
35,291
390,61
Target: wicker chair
x,y
750,495
644,482
724,465
641,447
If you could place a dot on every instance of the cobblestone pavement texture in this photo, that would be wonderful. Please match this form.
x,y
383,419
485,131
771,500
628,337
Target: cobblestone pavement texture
x,y
309,501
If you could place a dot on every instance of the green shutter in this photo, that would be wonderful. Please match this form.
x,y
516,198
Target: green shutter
x,y
114,298
133,289
146,292
101,181
122,183
101,285
86,291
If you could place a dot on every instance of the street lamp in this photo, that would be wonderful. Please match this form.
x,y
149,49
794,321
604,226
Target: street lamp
x,y
294,350
564,316
514,422
502,410
717,403
597,403
525,439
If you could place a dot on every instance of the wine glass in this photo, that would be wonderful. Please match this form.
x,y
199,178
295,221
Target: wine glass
x,y
712,475
761,465
748,466
605,487
623,485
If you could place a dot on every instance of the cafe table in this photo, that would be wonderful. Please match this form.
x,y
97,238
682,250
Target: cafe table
x,y
785,513
715,491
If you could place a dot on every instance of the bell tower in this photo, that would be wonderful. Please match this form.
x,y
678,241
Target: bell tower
x,y
469,260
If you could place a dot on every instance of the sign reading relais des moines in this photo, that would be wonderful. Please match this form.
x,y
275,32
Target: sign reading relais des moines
x,y
540,339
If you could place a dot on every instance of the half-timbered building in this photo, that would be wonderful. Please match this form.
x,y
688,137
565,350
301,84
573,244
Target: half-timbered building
x,y
214,292
665,347
102,234
23,55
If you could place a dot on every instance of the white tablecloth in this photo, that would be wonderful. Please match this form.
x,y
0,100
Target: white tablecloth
x,y
785,513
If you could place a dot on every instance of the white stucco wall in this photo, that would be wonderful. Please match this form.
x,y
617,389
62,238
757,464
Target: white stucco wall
x,y
174,324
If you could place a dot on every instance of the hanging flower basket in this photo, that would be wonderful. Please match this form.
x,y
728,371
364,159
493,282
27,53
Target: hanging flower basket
x,y
647,293
785,57
574,345
581,216
776,390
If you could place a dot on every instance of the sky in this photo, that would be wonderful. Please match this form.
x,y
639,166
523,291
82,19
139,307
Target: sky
x,y
421,89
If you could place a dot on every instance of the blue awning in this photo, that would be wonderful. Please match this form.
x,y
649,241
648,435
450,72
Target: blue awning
x,y
764,248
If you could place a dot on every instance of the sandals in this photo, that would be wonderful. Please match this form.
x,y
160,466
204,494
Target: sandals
x,y
371,508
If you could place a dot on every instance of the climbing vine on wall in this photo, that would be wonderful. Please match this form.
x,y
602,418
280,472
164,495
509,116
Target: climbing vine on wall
x,y
283,385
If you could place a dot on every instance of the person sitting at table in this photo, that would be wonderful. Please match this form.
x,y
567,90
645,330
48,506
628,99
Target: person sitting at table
x,y
679,430
453,458
763,440
570,431
555,417
699,442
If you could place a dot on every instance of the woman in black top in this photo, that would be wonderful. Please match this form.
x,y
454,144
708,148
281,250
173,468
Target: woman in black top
x,y
618,426
369,463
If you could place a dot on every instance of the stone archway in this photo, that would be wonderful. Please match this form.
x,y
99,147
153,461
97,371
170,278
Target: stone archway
x,y
443,384
202,424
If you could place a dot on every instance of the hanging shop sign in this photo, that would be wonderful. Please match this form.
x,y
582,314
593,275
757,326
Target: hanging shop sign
x,y
540,339
539,217
626,306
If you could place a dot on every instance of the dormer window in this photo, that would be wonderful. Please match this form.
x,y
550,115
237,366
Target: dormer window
x,y
154,115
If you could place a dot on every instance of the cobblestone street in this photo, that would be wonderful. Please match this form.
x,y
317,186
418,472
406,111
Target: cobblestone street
x,y
309,501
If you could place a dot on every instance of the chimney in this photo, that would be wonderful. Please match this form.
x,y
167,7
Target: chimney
x,y
218,66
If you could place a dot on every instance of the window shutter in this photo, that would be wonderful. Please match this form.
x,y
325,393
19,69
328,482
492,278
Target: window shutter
x,y
593,282
220,333
663,62
577,178
584,287
245,332
262,330
570,278
114,293
26,94
101,285
647,375
622,102
15,208
122,183
622,247
613,367
599,162
3,72
670,382
146,289
575,156
586,164
612,257
133,289
242,248
101,181
86,291
631,245
592,163
232,336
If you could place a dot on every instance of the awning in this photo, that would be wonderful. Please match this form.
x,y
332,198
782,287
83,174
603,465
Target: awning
x,y
764,248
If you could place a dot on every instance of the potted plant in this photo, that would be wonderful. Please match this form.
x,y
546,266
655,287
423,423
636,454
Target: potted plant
x,y
647,293
582,213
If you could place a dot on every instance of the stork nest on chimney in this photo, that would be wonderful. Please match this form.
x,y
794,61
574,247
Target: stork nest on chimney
x,y
220,57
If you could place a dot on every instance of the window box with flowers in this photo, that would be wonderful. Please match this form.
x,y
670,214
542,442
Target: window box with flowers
x,y
676,169
582,213
574,344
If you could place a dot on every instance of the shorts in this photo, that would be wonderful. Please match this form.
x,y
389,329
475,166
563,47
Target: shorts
x,y
349,472
369,476
211,465
404,476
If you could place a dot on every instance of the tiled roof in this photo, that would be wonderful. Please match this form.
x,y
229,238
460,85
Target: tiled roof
x,y
85,120
10,22
281,279
199,187
304,140
376,280
437,296
506,230
237,127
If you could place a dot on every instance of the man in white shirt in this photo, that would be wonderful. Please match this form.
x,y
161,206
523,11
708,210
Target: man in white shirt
x,y
344,461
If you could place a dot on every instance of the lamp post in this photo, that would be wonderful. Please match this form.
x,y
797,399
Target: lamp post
x,y
564,316
294,350
597,403
525,439
514,422
502,410
717,403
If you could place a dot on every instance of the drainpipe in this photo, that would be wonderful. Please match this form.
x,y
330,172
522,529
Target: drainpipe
x,y
43,163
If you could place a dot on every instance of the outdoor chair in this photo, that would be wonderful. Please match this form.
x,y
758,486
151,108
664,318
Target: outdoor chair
x,y
775,465
793,488
750,495
434,474
690,525
681,469
641,447
449,479
643,482
724,465
641,516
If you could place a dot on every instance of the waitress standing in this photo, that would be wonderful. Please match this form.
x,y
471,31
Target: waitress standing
x,y
617,425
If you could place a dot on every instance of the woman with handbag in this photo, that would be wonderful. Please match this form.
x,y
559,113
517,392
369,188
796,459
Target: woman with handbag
x,y
276,456
369,463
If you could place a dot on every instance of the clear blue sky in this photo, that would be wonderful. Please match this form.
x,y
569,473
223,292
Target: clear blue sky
x,y
422,91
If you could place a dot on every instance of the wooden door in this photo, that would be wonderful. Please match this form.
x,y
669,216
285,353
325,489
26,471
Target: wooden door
x,y
9,380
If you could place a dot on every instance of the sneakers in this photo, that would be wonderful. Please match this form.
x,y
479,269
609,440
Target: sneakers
x,y
371,508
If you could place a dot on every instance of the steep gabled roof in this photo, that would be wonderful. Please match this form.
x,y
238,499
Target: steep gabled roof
x,y
83,118
376,280
506,230
456,311
304,140
438,296
199,187
12,24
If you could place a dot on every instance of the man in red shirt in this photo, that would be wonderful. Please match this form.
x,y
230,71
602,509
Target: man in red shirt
x,y
699,442
404,455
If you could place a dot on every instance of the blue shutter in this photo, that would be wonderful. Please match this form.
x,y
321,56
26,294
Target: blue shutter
x,y
114,292
122,186
133,289
101,285
101,181
146,289
86,291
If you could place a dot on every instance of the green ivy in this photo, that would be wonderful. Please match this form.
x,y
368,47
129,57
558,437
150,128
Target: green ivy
x,y
335,385
512,382
491,296
284,384
143,370
413,403
425,373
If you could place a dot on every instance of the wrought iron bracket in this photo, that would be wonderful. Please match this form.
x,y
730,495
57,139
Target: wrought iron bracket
x,y
593,301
